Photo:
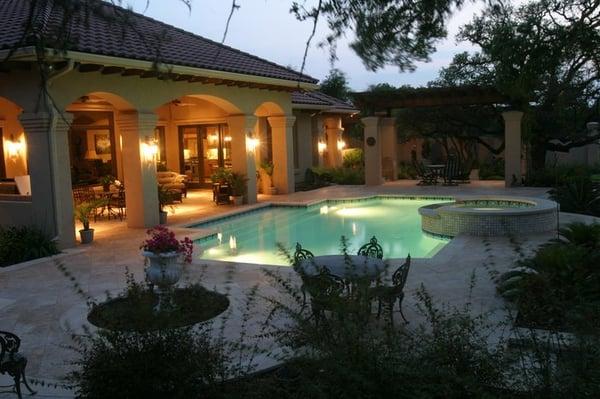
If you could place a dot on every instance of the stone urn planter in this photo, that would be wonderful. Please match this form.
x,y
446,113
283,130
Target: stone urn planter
x,y
163,271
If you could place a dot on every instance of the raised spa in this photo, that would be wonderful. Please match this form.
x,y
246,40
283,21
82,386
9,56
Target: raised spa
x,y
489,216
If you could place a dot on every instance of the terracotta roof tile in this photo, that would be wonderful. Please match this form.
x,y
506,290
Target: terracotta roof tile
x,y
141,38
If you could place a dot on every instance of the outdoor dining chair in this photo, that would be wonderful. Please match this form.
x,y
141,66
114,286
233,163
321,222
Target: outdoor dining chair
x,y
12,362
372,249
388,295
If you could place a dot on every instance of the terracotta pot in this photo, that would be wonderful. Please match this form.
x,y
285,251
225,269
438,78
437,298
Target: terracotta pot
x,y
87,236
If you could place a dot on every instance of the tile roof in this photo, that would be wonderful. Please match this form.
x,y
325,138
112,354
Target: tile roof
x,y
316,98
140,38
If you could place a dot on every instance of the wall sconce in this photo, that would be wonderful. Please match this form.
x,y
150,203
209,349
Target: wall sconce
x,y
341,144
321,147
14,147
149,150
252,143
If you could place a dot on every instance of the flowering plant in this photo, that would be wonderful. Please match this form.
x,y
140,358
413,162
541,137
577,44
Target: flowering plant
x,y
162,240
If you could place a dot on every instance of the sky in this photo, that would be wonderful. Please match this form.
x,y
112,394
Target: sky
x,y
266,28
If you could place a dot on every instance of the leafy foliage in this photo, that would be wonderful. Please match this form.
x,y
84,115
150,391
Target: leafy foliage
x,y
336,85
578,195
346,176
23,243
492,169
559,287
353,158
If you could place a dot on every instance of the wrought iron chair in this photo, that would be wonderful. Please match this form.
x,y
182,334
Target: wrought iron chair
x,y
426,176
452,171
387,295
372,249
325,289
84,194
12,362
301,254
117,202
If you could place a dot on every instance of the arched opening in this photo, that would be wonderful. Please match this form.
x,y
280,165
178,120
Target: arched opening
x,y
194,138
95,145
13,147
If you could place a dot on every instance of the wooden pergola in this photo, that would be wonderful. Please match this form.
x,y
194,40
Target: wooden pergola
x,y
380,127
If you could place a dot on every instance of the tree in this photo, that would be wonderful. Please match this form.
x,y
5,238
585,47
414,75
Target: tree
x,y
336,85
545,57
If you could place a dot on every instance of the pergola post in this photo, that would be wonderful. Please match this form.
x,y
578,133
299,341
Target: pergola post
x,y
372,151
139,168
389,148
512,147
50,173
242,157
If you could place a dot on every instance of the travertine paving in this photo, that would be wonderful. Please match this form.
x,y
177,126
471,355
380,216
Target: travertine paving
x,y
38,303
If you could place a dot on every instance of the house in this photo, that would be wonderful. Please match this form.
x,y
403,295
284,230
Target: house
x,y
124,99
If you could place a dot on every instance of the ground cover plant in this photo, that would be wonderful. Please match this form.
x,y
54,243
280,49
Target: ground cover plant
x,y
20,244
558,287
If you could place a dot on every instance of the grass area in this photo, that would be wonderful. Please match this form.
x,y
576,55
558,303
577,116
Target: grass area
x,y
135,311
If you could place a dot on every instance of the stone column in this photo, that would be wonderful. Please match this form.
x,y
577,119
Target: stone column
x,y
283,152
372,151
389,147
242,159
305,142
49,166
141,187
512,148
334,131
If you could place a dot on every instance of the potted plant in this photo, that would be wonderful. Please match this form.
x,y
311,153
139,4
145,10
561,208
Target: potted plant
x,y
221,176
82,214
164,258
268,168
165,199
106,181
237,182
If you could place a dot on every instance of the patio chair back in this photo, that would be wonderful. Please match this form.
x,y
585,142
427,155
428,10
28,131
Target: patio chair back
x,y
301,254
324,288
372,249
401,274
424,175
83,194
452,171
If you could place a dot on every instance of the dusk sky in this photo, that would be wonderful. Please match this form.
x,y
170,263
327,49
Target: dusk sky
x,y
267,29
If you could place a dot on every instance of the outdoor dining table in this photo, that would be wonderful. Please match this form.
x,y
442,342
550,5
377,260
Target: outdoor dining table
x,y
347,266
437,170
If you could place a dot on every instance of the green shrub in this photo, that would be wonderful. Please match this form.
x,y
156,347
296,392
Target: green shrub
x,y
406,171
345,176
22,243
557,175
492,170
578,195
559,287
353,158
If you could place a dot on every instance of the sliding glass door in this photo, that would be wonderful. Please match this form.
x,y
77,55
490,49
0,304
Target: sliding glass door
x,y
204,149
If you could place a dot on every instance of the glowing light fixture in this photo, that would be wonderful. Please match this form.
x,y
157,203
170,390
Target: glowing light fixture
x,y
227,138
213,137
252,143
322,146
14,147
341,144
149,150
186,154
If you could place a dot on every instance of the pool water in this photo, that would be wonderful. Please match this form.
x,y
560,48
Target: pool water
x,y
252,237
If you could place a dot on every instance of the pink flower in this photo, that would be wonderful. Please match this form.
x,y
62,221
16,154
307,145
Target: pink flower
x,y
162,240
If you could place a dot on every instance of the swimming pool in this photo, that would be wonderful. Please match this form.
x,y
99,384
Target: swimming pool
x,y
252,237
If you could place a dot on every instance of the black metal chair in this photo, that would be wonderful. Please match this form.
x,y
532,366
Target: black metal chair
x,y
372,249
12,362
426,176
118,202
325,289
388,295
452,171
301,254
221,193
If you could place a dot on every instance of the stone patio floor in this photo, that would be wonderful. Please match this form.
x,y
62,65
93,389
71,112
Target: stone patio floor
x,y
38,303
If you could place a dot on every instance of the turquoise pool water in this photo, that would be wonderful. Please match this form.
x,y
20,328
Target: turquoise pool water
x,y
252,237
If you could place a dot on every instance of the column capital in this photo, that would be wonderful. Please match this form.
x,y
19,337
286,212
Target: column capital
x,y
512,116
282,121
370,121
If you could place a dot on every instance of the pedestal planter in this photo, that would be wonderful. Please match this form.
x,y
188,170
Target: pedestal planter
x,y
164,270
87,236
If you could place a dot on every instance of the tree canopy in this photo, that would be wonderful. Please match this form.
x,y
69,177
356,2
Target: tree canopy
x,y
336,85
